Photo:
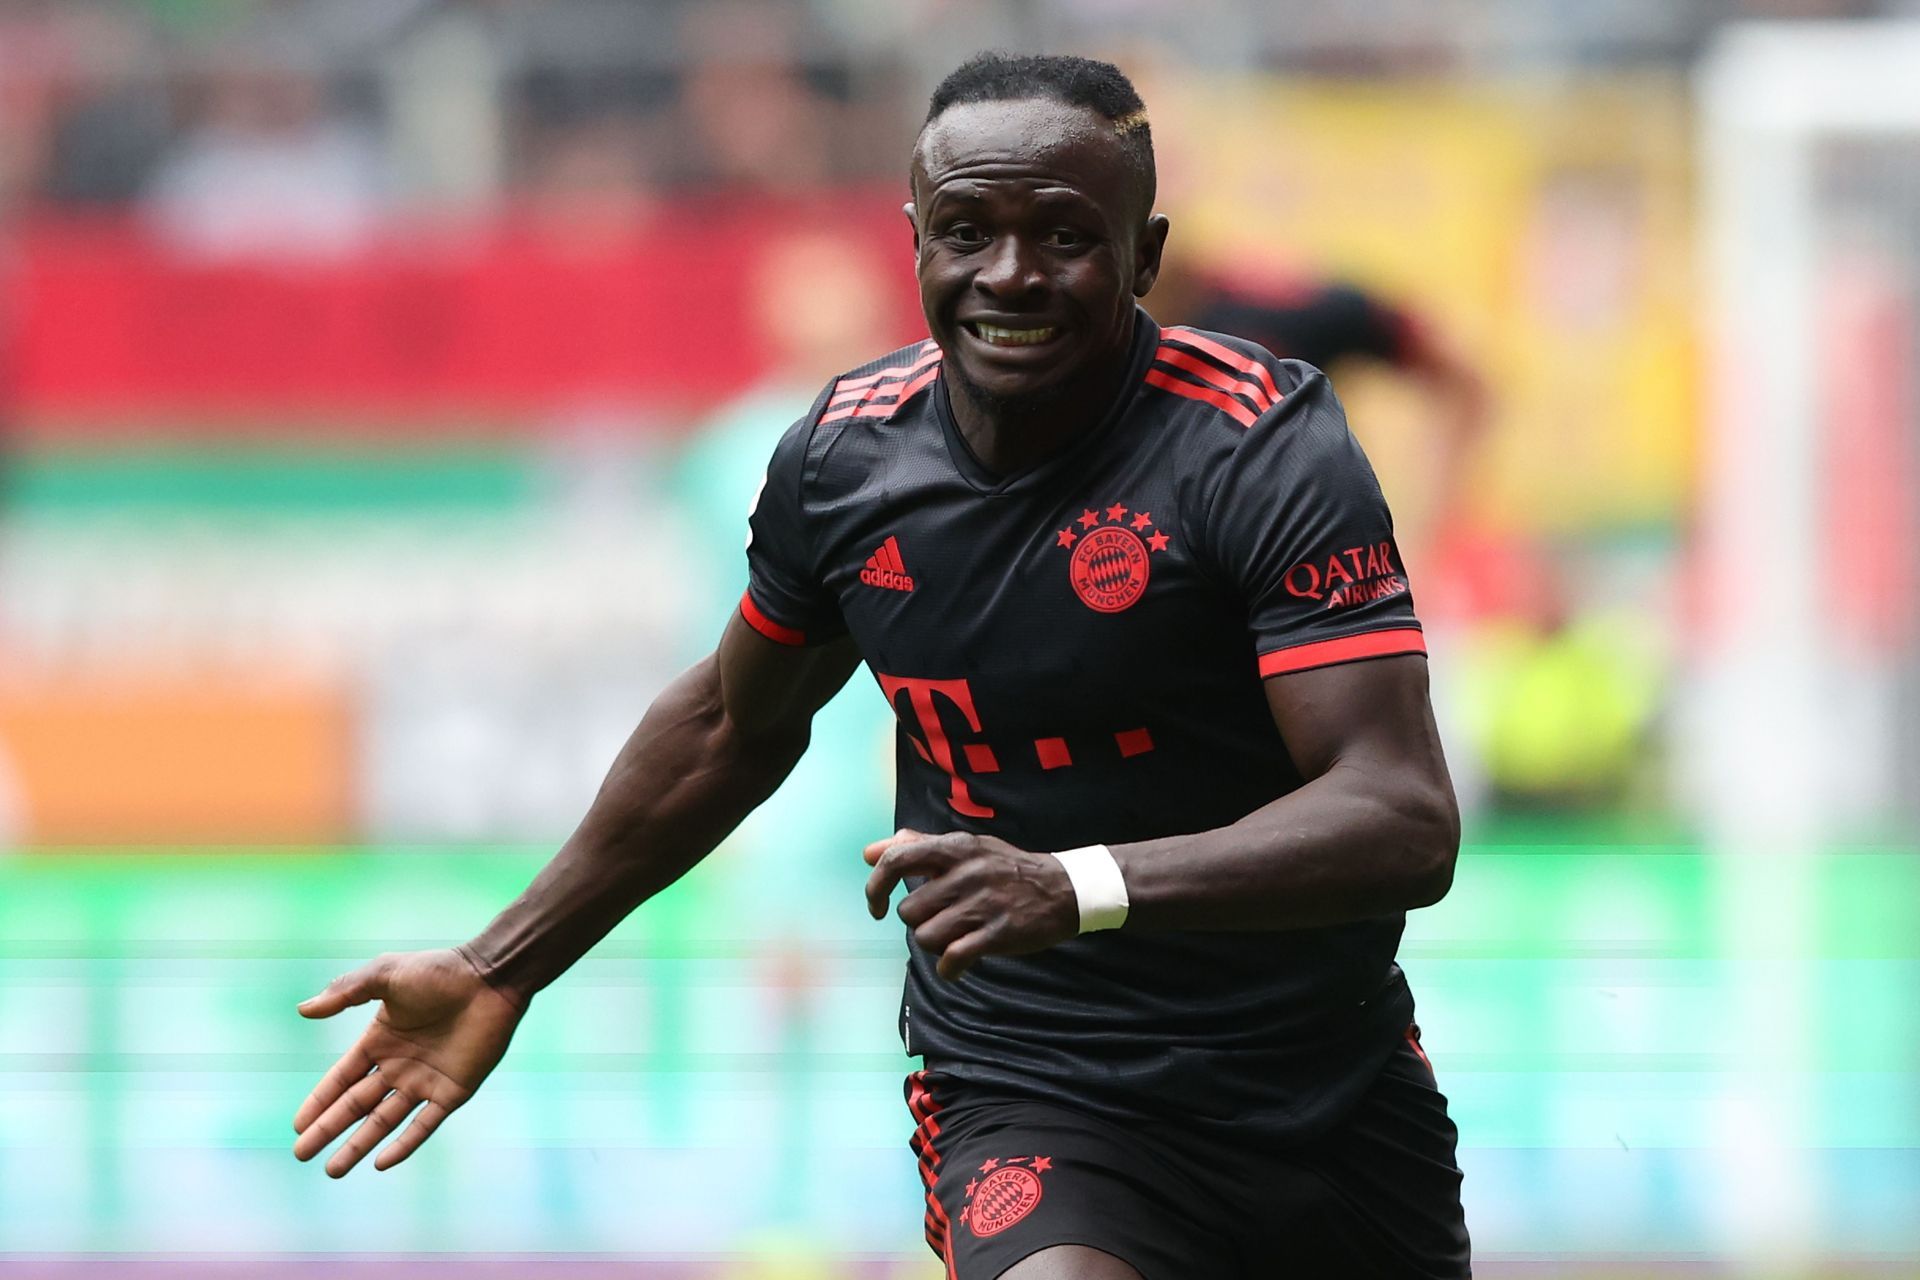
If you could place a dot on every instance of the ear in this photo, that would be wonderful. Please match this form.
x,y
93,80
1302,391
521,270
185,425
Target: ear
x,y
913,220
1147,254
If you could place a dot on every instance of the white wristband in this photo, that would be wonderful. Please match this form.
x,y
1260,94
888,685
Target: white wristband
x,y
1097,885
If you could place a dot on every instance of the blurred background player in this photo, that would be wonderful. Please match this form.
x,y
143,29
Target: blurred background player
x,y
787,859
841,789
1335,325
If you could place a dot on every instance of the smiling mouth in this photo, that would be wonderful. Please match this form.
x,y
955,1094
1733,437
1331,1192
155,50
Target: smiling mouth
x,y
995,336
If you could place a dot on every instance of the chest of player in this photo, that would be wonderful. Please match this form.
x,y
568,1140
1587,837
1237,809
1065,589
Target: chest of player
x,y
1068,608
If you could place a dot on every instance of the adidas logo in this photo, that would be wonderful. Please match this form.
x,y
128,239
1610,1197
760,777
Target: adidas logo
x,y
884,568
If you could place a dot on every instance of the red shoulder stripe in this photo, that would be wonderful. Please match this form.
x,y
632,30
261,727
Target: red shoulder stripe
x,y
1181,387
1324,653
1169,354
895,396
767,626
1225,355
926,352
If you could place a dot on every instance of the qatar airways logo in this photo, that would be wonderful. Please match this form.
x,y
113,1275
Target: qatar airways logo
x,y
1355,576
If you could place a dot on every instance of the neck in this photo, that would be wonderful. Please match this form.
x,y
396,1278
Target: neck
x,y
1007,437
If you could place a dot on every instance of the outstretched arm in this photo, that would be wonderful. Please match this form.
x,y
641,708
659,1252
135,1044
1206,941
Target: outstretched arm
x,y
713,745
1461,408
1374,831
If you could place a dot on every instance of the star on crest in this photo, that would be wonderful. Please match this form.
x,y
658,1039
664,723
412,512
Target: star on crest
x,y
1093,522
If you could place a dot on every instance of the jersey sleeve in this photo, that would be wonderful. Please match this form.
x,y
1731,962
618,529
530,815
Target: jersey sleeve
x,y
1298,524
1360,323
786,599
1322,325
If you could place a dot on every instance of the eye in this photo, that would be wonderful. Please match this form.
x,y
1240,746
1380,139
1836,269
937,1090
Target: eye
x,y
966,234
1065,238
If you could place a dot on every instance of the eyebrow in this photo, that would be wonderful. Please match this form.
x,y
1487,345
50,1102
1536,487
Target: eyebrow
x,y
969,194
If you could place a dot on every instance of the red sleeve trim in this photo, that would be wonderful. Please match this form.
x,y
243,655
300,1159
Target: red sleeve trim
x,y
767,626
1323,653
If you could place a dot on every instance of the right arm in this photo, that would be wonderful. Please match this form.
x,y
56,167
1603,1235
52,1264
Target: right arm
x,y
713,745
711,748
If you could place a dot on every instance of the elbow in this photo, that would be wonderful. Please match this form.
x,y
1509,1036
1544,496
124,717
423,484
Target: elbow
x,y
1433,846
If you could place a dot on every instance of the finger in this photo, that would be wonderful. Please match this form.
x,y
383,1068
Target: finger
x,y
383,1120
416,1133
930,899
368,982
873,851
359,1099
955,923
353,1066
960,956
901,859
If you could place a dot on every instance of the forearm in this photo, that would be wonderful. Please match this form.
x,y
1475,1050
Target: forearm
x,y
684,779
1461,412
1352,844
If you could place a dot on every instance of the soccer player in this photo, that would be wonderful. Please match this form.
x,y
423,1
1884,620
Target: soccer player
x,y
1168,777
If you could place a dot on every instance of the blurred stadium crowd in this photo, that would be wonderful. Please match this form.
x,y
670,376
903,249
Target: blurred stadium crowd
x,y
318,116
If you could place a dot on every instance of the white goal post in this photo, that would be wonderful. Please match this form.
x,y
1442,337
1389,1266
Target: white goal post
x,y
1810,159
1801,731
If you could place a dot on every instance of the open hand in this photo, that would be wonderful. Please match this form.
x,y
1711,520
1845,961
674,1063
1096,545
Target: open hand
x,y
982,896
439,1030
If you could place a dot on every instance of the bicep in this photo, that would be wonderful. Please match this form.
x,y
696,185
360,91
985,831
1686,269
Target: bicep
x,y
1375,714
770,688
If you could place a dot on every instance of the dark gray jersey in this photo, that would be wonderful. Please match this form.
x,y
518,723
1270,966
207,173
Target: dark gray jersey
x,y
1075,656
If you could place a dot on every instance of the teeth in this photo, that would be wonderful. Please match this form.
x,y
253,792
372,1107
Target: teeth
x,y
1012,337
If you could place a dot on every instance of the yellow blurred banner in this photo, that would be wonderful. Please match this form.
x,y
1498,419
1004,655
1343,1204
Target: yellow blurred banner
x,y
1547,229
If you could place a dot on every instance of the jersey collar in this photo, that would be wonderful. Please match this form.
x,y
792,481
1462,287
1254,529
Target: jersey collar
x,y
1146,340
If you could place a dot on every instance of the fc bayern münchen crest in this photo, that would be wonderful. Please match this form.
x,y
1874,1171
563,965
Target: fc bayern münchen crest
x,y
1112,556
1005,1193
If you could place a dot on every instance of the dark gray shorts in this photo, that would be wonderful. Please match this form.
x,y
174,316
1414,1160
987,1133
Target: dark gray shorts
x,y
1379,1196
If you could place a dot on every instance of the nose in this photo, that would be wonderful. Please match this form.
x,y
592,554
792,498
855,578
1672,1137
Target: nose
x,y
1012,269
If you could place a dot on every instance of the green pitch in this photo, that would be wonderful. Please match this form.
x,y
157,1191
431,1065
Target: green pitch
x,y
1580,1000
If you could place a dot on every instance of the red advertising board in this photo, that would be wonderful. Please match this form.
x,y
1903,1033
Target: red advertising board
x,y
506,321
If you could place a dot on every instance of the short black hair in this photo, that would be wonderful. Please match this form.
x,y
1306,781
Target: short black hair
x,y
1099,87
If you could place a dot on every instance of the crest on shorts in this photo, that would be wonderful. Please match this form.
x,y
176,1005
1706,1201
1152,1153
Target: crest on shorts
x,y
1005,1192
1112,555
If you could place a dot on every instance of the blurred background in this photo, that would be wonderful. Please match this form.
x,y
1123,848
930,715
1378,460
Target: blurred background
x,y
382,387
